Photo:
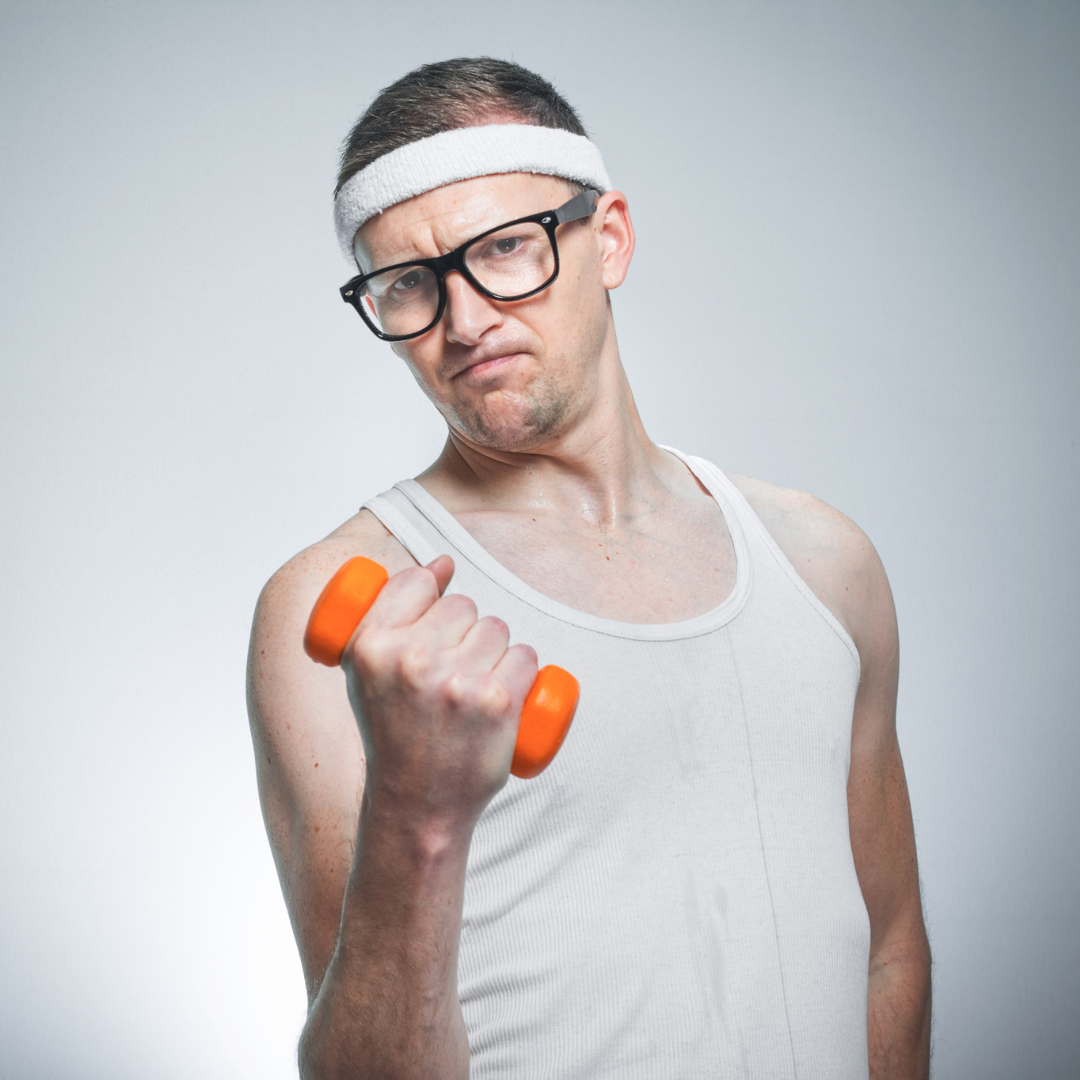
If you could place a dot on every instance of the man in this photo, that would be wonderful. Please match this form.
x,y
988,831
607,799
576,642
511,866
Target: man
x,y
716,876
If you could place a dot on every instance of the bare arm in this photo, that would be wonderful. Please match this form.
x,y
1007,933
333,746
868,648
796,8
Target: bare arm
x,y
883,843
371,832
839,563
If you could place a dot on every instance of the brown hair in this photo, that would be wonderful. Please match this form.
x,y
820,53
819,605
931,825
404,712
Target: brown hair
x,y
452,94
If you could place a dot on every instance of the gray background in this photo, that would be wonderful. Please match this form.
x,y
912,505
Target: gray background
x,y
857,274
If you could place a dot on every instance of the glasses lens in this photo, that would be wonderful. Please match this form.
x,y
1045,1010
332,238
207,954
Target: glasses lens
x,y
513,261
401,301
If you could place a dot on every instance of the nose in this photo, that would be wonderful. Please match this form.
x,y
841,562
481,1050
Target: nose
x,y
468,314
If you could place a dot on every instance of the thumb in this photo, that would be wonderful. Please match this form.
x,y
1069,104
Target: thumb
x,y
443,569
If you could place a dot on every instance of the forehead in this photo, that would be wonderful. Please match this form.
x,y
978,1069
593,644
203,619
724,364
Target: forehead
x,y
438,221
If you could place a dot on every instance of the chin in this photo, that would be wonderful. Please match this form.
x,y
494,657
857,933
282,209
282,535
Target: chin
x,y
526,426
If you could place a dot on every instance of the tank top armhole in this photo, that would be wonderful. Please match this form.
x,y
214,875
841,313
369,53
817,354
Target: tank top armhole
x,y
400,527
748,515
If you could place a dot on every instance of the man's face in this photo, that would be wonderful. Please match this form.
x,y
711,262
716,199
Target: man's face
x,y
505,375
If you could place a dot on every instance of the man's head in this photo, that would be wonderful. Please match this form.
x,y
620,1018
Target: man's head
x,y
451,121
466,92
452,151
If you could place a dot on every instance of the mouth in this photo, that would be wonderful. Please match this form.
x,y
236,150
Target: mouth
x,y
479,370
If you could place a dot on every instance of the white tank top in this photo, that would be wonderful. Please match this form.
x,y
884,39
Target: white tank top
x,y
675,896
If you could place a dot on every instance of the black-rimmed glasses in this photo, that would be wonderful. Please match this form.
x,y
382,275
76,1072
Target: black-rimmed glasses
x,y
510,262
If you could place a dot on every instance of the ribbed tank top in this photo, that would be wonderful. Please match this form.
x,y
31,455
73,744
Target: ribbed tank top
x,y
675,896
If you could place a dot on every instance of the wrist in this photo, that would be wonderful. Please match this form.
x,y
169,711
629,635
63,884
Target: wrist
x,y
407,870
418,833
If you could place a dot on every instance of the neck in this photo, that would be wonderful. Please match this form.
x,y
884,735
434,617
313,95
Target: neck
x,y
603,467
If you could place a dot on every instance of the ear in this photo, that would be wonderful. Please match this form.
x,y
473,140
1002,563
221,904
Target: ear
x,y
615,232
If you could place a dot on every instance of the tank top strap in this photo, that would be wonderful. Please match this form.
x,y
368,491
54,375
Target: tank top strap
x,y
413,531
760,540
731,499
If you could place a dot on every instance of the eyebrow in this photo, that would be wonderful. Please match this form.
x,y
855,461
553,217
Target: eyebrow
x,y
475,231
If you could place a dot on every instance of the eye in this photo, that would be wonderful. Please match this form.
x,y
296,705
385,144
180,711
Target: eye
x,y
499,247
409,280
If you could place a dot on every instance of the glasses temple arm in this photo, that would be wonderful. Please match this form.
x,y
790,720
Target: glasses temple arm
x,y
578,207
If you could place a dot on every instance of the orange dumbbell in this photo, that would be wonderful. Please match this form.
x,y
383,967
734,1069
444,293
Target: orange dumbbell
x,y
549,706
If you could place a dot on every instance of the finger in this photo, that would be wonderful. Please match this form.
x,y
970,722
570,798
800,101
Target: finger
x,y
409,593
443,569
484,645
445,624
406,597
517,672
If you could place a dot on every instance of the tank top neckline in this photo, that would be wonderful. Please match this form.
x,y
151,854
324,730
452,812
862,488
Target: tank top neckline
x,y
483,561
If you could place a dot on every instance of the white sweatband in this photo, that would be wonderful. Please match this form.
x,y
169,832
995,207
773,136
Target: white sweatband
x,y
461,154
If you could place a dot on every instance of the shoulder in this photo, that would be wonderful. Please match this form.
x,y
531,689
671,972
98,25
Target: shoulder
x,y
294,704
301,579
831,554
278,668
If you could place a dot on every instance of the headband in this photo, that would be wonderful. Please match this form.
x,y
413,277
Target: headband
x,y
461,154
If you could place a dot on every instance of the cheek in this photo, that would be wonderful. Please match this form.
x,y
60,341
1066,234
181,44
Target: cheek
x,y
584,283
586,310
576,303
417,359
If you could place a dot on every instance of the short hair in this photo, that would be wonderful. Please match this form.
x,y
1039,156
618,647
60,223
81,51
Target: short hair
x,y
464,92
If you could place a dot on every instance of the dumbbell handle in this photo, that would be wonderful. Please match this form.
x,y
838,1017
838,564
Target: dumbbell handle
x,y
549,705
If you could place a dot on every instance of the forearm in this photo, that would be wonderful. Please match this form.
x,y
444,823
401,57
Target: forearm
x,y
898,1010
387,1005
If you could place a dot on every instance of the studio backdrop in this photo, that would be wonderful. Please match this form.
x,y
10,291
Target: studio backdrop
x,y
857,274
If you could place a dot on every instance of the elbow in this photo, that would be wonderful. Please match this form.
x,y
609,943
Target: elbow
x,y
317,1057
308,1060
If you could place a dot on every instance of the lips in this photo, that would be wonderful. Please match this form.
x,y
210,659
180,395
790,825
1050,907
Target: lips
x,y
485,364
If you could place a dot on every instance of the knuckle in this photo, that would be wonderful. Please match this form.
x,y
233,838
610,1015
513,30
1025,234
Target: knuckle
x,y
493,698
414,665
463,692
363,653
496,627
459,604
526,653
455,691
